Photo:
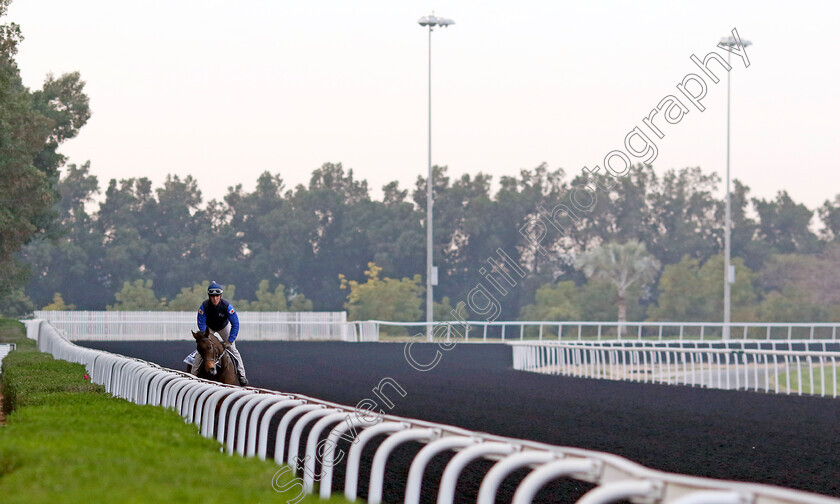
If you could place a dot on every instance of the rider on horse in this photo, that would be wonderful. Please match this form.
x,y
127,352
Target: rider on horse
x,y
220,317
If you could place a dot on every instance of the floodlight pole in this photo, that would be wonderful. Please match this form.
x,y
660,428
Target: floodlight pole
x,y
727,232
728,275
430,21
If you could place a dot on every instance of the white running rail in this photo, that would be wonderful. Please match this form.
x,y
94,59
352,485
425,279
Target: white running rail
x,y
240,417
519,330
4,351
169,326
305,326
786,367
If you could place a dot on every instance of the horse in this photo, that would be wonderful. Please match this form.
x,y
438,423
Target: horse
x,y
217,364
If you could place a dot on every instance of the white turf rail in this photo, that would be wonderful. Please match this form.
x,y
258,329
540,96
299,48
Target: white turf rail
x,y
240,417
524,330
172,326
756,365
4,351
306,326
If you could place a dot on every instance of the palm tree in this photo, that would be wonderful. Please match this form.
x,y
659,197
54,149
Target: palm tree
x,y
622,264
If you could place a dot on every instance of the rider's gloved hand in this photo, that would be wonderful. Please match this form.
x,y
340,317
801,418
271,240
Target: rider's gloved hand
x,y
226,344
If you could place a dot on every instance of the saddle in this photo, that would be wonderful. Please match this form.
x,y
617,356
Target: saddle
x,y
190,359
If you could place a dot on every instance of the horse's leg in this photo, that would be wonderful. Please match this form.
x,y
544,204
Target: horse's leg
x,y
230,376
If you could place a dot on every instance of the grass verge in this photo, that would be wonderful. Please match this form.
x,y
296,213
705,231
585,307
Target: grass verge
x,y
826,380
66,440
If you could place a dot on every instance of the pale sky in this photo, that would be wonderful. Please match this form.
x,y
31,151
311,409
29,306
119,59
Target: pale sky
x,y
224,91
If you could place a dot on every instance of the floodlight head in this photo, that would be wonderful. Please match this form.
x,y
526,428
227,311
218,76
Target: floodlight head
x,y
732,42
432,21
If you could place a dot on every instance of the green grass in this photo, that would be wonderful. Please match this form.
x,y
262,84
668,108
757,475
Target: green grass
x,y
792,380
66,440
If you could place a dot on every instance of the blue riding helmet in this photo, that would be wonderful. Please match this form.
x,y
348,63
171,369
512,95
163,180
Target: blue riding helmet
x,y
214,289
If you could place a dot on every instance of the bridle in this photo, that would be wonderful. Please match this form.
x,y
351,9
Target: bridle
x,y
217,358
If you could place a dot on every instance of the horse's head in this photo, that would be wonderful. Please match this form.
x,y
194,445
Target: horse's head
x,y
210,348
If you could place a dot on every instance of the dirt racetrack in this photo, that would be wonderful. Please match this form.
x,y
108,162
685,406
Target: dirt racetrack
x,y
747,436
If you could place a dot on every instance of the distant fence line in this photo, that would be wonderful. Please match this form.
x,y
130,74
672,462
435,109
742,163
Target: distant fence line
x,y
587,330
168,325
787,367
304,326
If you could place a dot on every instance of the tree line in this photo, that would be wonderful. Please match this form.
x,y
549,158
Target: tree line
x,y
329,242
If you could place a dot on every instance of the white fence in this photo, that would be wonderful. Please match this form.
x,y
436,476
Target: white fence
x,y
788,367
4,351
304,326
240,417
160,325
485,331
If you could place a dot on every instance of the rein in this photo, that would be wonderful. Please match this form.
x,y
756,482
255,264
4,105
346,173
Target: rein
x,y
217,367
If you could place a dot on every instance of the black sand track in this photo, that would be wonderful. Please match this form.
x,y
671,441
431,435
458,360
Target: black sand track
x,y
781,440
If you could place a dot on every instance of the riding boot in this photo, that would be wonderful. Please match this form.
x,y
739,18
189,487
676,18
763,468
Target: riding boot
x,y
242,380
196,367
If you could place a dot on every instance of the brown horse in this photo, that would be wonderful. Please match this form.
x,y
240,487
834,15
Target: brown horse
x,y
217,364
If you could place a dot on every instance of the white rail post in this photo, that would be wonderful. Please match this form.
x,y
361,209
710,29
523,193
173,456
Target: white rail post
x,y
539,477
295,439
377,471
822,377
421,460
495,476
354,458
328,464
446,490
799,373
262,437
713,497
283,426
620,490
